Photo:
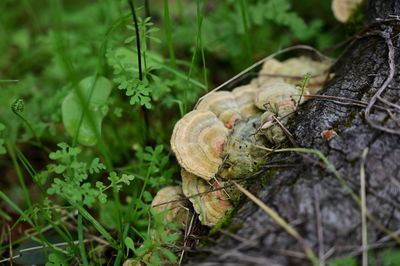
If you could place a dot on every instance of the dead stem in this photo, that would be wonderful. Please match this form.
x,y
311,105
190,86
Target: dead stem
x,y
363,209
316,191
391,63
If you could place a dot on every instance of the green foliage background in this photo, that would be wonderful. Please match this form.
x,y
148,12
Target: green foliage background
x,y
82,129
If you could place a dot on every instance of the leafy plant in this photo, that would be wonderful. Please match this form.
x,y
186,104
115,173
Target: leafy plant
x,y
137,86
74,173
72,185
152,250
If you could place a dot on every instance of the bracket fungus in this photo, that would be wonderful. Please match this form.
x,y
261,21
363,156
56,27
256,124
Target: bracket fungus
x,y
275,95
342,9
241,153
212,206
175,211
197,141
293,70
244,96
269,72
223,104
223,138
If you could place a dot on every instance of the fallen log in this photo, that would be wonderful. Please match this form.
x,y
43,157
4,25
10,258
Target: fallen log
x,y
355,124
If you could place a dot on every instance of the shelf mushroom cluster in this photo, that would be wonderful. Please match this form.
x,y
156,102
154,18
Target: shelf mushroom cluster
x,y
222,139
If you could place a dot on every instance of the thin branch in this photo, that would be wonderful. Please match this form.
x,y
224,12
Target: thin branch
x,y
188,231
329,97
388,80
396,106
61,244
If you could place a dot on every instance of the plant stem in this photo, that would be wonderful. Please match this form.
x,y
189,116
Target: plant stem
x,y
200,39
20,176
81,243
39,142
247,42
139,57
168,33
135,21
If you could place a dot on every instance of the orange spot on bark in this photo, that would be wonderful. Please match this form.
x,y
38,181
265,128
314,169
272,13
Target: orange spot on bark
x,y
328,134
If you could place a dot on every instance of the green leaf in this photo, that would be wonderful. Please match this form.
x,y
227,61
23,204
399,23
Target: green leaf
x,y
118,111
92,95
56,260
96,166
59,169
391,257
96,224
108,212
113,177
2,148
129,39
147,196
127,179
102,198
129,243
170,255
345,261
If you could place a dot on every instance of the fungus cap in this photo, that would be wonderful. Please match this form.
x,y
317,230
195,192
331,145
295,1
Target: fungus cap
x,y
271,67
223,105
276,94
175,211
244,96
211,206
293,70
342,9
299,66
198,140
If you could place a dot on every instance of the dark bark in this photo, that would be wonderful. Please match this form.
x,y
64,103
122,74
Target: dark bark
x,y
295,193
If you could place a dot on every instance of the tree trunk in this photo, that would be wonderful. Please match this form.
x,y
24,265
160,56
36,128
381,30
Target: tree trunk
x,y
310,197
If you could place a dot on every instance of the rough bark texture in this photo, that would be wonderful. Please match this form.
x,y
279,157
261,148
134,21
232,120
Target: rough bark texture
x,y
310,197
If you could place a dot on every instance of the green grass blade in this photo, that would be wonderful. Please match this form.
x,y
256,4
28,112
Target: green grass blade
x,y
81,242
16,208
246,39
200,46
96,224
167,25
20,176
